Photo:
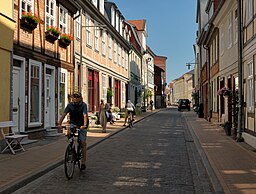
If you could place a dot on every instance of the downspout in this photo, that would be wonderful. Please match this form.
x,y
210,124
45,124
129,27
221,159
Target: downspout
x,y
240,72
209,84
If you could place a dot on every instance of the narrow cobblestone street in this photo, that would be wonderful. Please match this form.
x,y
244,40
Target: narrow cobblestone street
x,y
158,155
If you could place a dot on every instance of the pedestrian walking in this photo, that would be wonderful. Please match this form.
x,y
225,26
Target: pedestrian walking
x,y
77,110
151,105
103,116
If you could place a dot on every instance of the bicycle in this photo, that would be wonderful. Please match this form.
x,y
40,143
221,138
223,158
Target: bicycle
x,y
73,154
130,119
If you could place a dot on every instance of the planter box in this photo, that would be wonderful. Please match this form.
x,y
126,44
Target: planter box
x,y
28,24
64,43
51,37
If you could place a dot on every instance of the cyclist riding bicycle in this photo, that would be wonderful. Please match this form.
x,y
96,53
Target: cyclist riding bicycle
x,y
79,117
129,108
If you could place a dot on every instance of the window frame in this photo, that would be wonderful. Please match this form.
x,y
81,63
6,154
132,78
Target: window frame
x,y
30,2
65,25
88,31
110,54
96,37
103,43
49,15
250,87
39,65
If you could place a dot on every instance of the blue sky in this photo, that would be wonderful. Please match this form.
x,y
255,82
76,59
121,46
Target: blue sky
x,y
171,29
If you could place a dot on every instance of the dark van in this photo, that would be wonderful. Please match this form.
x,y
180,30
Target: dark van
x,y
184,104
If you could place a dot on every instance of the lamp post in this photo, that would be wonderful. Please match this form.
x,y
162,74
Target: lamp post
x,y
240,71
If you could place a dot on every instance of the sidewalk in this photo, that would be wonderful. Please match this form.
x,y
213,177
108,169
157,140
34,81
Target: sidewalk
x,y
233,163
46,154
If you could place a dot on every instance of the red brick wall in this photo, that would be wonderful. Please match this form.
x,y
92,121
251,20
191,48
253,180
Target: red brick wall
x,y
160,61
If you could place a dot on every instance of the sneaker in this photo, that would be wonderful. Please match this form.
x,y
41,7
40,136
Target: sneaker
x,y
83,167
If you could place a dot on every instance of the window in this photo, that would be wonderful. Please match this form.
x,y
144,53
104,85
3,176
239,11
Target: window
x,y
27,5
63,20
35,92
95,3
62,91
88,32
123,55
117,22
123,93
230,31
216,48
50,13
126,61
121,27
119,55
115,52
78,25
103,44
113,15
235,27
250,88
222,41
109,47
101,6
96,38
249,11
104,87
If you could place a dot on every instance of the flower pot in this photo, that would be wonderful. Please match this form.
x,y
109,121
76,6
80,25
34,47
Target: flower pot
x,y
50,36
64,42
28,24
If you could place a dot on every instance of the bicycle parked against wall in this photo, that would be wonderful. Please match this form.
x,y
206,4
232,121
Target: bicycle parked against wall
x,y
73,154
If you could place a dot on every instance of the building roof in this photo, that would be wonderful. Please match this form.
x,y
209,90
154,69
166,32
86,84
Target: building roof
x,y
140,24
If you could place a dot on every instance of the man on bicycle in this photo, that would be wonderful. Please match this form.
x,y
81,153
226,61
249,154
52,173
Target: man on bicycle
x,y
79,117
129,108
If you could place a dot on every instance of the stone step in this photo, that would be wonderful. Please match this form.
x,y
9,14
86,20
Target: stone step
x,y
53,132
26,141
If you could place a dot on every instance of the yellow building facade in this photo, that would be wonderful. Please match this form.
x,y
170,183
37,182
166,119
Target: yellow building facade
x,y
7,25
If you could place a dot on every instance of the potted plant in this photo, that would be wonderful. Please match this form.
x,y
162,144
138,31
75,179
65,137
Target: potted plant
x,y
65,39
109,95
224,92
52,33
29,21
227,127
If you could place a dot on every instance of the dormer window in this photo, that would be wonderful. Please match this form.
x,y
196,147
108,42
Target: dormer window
x,y
117,21
95,3
101,6
113,16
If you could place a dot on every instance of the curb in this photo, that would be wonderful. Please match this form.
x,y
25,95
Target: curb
x,y
216,185
24,181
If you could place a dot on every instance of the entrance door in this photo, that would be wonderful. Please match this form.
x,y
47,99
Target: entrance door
x,y
49,99
16,98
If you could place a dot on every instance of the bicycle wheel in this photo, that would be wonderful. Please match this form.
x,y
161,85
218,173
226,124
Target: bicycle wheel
x,y
69,162
130,122
79,156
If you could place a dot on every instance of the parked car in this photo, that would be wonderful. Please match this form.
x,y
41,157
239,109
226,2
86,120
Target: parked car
x,y
184,104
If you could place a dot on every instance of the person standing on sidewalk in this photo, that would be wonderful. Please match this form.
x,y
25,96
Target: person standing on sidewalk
x,y
103,116
78,117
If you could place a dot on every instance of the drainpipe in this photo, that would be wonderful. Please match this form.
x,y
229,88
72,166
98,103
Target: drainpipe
x,y
240,71
209,84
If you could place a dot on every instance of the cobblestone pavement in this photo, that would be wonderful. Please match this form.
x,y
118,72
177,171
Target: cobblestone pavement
x,y
157,155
